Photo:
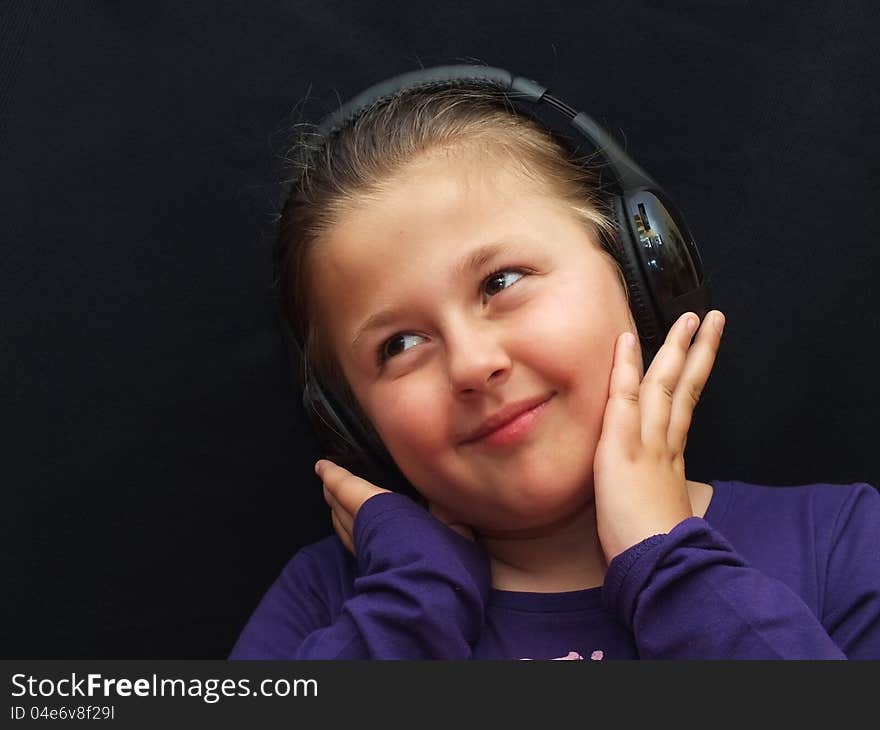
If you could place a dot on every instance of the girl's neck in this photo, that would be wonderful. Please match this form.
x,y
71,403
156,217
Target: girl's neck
x,y
566,557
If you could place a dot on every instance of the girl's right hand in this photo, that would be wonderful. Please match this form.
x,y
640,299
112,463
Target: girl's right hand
x,y
345,493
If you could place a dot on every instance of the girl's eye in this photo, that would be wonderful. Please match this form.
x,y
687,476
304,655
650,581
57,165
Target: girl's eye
x,y
389,349
500,276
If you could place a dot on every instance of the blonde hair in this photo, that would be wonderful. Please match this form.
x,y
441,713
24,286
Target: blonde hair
x,y
359,162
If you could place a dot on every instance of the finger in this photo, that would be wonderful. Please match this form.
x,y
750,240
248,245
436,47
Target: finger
x,y
342,515
621,417
350,491
344,535
658,387
693,380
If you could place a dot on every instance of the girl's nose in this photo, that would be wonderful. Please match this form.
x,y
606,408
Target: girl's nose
x,y
477,359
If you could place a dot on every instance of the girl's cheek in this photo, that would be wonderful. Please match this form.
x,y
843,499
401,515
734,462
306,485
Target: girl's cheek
x,y
406,414
556,324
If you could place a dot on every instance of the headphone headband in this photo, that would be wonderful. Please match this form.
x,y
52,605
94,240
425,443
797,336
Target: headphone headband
x,y
533,99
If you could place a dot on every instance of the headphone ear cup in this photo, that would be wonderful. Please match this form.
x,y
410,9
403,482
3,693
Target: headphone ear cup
x,y
334,433
661,264
641,305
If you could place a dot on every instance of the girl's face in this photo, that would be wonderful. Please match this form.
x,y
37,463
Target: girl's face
x,y
459,344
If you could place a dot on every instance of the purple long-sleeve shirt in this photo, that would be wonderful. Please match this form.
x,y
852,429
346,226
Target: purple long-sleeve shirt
x,y
767,573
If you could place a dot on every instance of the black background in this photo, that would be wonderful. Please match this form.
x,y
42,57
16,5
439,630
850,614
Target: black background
x,y
157,466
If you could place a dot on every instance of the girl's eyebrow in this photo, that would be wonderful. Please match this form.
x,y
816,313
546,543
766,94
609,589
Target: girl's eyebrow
x,y
472,261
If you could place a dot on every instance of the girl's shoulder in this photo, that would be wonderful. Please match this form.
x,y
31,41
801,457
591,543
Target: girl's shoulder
x,y
820,497
755,516
324,568
327,549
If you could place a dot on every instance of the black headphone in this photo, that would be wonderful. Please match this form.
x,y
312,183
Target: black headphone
x,y
656,251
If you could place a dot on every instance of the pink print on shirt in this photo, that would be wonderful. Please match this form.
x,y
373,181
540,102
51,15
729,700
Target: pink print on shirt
x,y
573,655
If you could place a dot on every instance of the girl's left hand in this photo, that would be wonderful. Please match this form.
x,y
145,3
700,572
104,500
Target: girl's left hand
x,y
638,470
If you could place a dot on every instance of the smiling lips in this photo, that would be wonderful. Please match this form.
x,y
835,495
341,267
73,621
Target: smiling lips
x,y
511,423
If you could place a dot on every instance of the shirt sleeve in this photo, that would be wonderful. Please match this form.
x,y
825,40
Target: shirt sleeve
x,y
689,595
420,593
852,590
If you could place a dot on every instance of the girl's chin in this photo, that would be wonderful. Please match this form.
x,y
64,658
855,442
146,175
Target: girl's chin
x,y
545,495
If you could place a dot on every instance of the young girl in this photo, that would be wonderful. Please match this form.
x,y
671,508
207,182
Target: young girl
x,y
451,268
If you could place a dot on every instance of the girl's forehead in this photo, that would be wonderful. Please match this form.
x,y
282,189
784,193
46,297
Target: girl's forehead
x,y
434,235
442,203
